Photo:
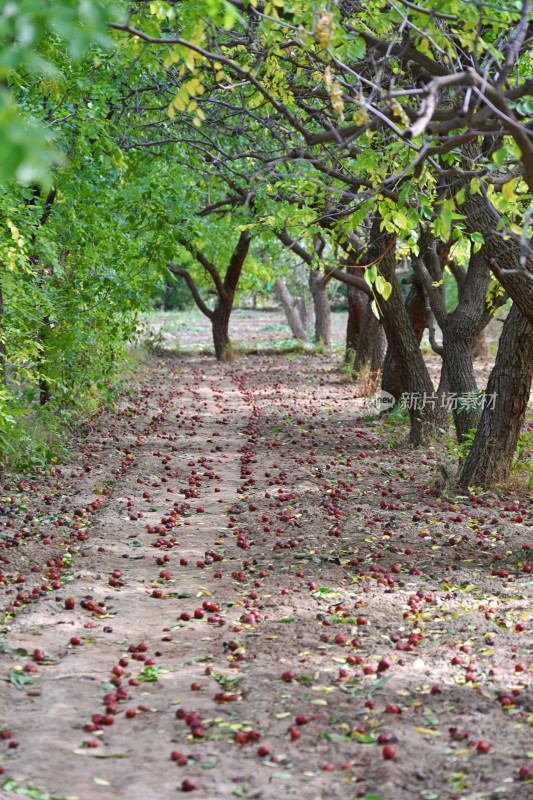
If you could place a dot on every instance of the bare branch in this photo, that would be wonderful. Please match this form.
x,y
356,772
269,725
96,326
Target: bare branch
x,y
349,279
184,273
211,269
515,43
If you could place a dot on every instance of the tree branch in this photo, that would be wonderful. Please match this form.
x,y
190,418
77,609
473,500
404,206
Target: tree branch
x,y
350,280
184,273
436,300
212,270
236,262
296,248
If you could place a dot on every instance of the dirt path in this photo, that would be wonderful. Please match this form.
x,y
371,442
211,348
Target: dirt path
x,y
253,565
190,331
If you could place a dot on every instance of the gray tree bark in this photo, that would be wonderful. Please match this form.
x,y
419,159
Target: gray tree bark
x,y
490,457
319,293
291,310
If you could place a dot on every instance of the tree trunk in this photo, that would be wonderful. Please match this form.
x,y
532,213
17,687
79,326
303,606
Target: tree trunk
x,y
372,344
416,311
413,372
290,309
479,346
507,395
379,348
321,304
303,311
220,329
356,309
226,296
458,381
459,330
502,253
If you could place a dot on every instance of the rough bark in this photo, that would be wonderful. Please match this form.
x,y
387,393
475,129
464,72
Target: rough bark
x,y
220,329
321,304
303,310
502,253
224,304
479,345
459,330
402,341
372,344
291,310
356,308
416,311
490,457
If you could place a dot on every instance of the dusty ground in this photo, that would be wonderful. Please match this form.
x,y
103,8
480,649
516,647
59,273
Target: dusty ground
x,y
250,329
255,561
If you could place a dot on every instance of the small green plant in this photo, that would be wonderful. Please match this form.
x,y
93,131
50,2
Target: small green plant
x,y
276,328
456,452
474,401
523,461
348,365
394,426
154,341
319,348
288,347
398,415
463,448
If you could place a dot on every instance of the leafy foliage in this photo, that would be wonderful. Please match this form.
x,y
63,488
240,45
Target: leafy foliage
x,y
135,134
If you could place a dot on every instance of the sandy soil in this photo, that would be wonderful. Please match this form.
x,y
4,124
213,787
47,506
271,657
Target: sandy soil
x,y
256,560
248,329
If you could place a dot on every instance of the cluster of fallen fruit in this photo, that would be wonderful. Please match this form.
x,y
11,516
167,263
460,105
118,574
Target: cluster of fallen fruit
x,y
285,507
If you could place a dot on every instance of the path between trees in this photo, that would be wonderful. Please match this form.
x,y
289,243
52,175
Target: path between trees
x,y
253,565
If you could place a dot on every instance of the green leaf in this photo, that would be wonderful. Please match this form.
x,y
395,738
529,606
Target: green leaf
x,y
29,791
18,678
151,673
373,797
387,290
475,185
379,284
500,156
356,48
370,274
380,683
